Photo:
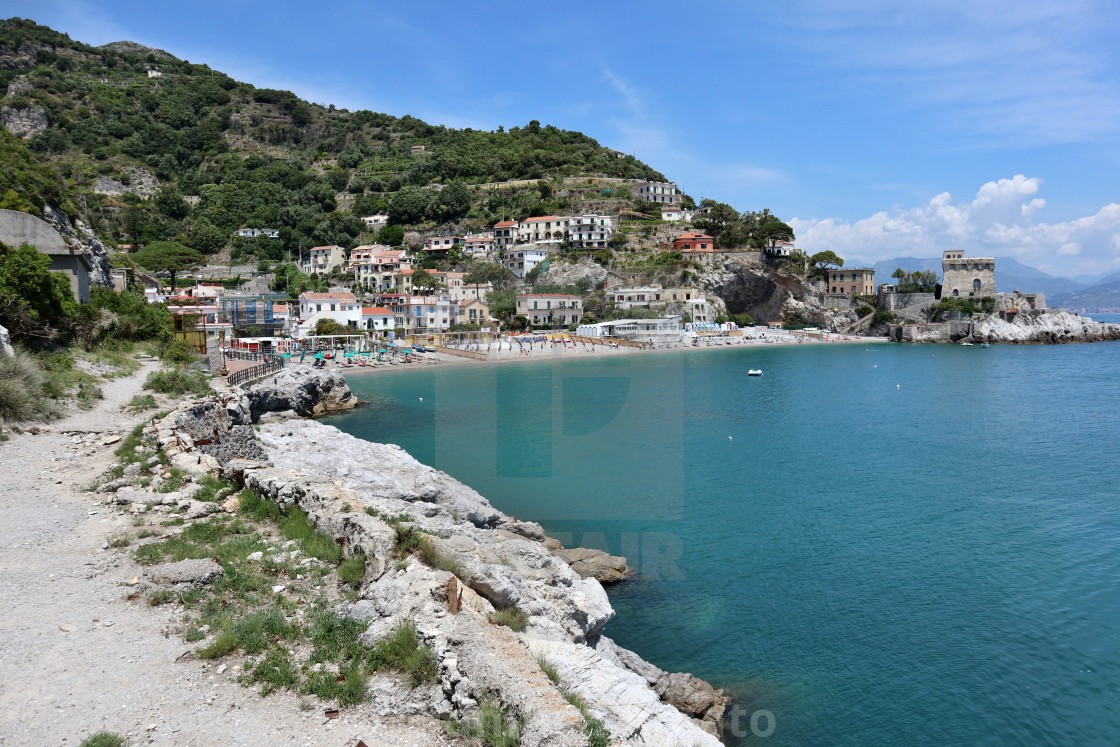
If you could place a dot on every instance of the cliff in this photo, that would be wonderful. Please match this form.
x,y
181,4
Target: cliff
x,y
769,294
357,492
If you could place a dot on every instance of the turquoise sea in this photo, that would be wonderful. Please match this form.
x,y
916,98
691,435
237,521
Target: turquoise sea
x,y
877,546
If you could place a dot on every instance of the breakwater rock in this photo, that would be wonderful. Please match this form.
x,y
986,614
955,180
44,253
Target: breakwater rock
x,y
302,391
478,562
1045,327
1053,326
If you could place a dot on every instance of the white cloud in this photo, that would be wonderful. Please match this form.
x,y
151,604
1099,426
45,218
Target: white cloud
x,y
998,221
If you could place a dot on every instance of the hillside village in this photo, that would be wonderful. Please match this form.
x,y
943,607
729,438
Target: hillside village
x,y
251,213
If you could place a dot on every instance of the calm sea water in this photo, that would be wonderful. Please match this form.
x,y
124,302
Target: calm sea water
x,y
879,546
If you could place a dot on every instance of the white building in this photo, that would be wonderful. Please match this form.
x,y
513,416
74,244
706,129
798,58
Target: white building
x,y
522,261
479,244
377,273
364,254
638,330
550,308
673,213
323,259
665,193
779,248
590,230
376,221
341,307
252,233
378,319
441,243
545,229
415,315
505,234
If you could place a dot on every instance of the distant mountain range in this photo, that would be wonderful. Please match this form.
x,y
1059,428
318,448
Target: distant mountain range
x,y
1081,293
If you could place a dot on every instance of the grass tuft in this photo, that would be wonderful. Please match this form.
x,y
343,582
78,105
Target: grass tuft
x,y
493,726
512,617
177,382
316,544
225,643
103,739
353,570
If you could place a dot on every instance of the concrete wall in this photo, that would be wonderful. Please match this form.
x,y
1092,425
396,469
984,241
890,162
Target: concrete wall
x,y
18,228
838,301
896,301
78,272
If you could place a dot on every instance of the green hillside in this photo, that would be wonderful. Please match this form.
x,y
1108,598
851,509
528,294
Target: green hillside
x,y
254,157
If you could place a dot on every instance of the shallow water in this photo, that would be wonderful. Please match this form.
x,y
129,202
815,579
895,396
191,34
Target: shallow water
x,y
882,545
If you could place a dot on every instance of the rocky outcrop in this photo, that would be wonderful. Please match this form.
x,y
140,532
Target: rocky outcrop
x,y
569,273
303,391
140,182
1050,327
771,295
349,488
1047,327
596,564
25,122
80,234
6,343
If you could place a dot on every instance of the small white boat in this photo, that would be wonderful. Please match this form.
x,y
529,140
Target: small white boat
x,y
985,344
754,372
966,344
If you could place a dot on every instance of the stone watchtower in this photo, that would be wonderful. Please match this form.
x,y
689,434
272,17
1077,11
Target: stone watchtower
x,y
967,276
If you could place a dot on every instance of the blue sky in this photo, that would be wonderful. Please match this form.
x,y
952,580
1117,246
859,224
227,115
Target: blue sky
x,y
877,129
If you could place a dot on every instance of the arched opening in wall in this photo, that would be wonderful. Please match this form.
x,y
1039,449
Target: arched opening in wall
x,y
956,292
976,285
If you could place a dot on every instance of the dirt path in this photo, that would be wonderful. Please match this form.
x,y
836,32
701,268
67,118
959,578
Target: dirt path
x,y
76,657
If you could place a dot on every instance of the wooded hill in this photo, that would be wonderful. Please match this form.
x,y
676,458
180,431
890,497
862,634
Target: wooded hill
x,y
119,115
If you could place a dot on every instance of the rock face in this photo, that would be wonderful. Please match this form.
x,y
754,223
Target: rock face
x,y
140,182
302,390
348,487
569,273
5,343
101,272
771,295
26,122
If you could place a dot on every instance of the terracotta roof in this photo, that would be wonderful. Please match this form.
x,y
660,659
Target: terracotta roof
x,y
322,248
694,235
368,311
543,217
505,223
281,307
329,296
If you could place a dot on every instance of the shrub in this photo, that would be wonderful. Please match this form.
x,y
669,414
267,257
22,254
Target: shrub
x,y
21,387
177,381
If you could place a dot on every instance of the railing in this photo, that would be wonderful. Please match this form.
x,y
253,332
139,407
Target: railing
x,y
248,355
256,372
475,354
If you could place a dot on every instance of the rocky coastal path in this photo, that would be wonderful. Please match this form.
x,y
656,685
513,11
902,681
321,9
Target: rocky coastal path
x,y
76,657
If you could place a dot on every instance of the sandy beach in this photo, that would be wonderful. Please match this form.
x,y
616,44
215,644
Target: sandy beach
x,y
508,351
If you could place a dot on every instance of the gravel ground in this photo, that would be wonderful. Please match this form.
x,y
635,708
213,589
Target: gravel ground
x,y
76,657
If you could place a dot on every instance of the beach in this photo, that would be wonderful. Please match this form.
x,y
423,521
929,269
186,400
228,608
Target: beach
x,y
542,347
